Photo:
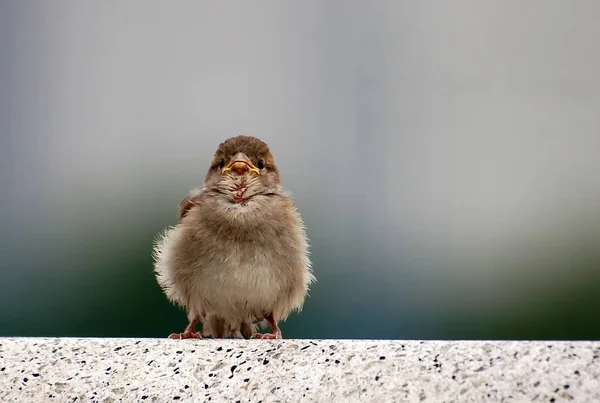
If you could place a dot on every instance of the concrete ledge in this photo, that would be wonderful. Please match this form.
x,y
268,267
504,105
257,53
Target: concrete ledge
x,y
159,370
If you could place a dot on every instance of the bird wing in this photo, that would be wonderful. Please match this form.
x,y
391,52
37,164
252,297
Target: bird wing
x,y
188,202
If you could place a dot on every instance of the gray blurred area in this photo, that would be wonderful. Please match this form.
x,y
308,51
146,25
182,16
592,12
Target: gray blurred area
x,y
444,155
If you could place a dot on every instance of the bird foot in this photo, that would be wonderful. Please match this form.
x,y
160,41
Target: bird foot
x,y
186,335
267,336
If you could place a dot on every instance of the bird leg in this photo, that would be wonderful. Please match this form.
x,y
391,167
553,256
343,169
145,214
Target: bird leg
x,y
275,331
189,332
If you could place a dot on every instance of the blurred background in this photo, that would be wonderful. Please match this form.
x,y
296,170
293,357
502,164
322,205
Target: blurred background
x,y
444,155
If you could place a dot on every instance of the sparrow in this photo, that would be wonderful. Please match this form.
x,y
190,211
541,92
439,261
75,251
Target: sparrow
x,y
238,257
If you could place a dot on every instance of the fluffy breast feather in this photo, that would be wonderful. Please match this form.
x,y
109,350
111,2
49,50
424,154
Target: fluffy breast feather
x,y
236,261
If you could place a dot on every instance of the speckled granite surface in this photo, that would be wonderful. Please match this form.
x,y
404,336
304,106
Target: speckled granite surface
x,y
151,370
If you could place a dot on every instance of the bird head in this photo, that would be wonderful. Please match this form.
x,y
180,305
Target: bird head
x,y
243,163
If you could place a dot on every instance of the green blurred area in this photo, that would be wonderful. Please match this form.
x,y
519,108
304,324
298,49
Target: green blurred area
x,y
101,284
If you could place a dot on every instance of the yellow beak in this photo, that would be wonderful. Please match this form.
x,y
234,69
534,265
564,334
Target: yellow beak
x,y
240,164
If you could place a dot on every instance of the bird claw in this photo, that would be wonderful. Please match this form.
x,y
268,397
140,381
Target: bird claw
x,y
186,335
266,336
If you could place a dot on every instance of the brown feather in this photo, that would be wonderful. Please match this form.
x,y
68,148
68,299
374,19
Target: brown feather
x,y
239,252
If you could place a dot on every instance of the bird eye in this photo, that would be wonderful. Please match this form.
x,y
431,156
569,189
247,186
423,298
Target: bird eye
x,y
221,163
261,164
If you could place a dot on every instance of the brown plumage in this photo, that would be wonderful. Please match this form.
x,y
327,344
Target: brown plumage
x,y
239,255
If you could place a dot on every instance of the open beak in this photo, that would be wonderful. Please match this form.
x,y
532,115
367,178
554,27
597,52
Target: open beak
x,y
240,164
